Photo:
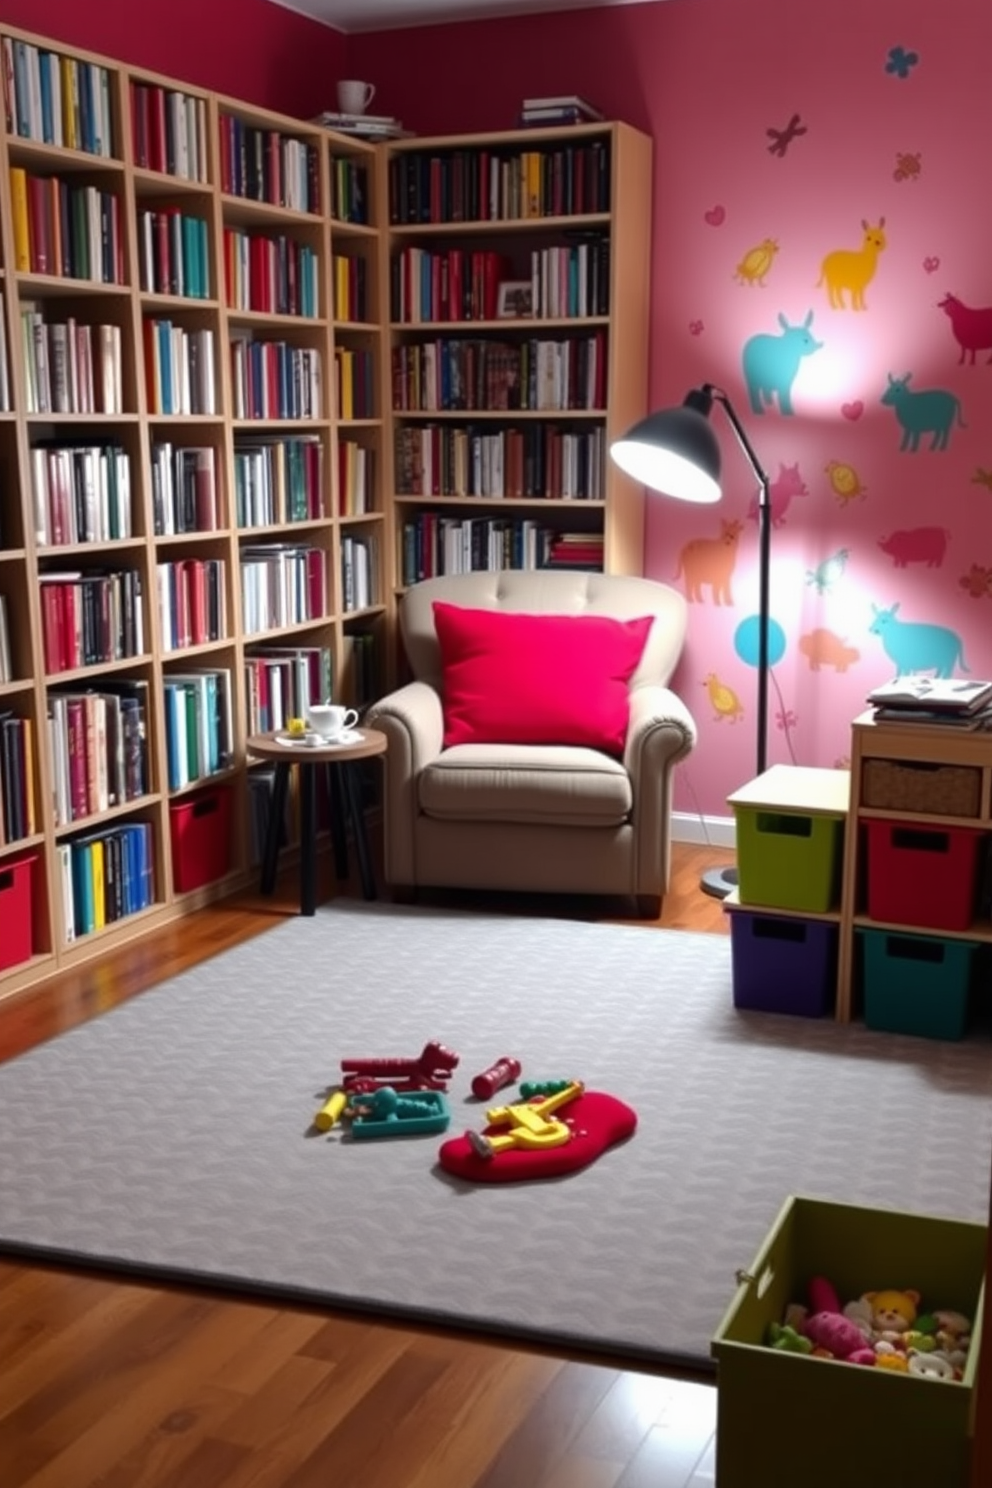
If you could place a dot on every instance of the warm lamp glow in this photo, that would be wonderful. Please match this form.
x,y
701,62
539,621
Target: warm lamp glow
x,y
665,471
674,451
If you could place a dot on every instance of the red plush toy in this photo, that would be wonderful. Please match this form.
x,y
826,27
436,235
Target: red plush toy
x,y
530,1139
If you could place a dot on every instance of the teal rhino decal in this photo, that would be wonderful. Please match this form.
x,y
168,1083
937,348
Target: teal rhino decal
x,y
914,646
932,411
771,363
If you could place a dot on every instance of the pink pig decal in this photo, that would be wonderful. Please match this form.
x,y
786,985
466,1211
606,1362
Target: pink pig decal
x,y
972,327
916,545
787,484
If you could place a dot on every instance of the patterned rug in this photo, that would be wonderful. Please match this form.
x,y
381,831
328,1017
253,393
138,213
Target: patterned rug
x,y
173,1136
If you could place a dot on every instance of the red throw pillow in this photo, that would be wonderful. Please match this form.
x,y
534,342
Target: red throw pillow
x,y
512,678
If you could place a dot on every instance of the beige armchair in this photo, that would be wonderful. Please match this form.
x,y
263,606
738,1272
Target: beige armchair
x,y
534,817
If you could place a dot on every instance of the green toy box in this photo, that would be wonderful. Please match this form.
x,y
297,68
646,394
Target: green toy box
x,y
789,859
785,1419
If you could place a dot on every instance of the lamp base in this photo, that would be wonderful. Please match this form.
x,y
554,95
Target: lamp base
x,y
719,882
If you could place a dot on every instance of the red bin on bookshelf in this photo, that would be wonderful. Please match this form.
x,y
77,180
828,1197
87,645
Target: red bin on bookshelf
x,y
201,837
17,911
922,875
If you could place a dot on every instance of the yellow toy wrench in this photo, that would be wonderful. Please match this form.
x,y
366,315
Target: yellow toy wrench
x,y
531,1124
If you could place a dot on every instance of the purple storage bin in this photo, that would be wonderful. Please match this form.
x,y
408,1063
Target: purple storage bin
x,y
783,964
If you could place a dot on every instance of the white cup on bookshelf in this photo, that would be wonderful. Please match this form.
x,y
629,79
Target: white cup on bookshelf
x,y
354,97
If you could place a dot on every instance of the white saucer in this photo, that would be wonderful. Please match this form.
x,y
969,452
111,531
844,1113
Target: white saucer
x,y
348,736
312,740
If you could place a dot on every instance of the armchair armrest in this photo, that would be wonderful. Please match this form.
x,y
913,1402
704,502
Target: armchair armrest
x,y
413,721
660,733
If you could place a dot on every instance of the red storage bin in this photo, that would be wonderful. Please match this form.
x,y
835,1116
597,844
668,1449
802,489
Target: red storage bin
x,y
16,911
201,837
922,875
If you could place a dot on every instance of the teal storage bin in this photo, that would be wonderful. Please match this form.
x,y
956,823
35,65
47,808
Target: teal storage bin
x,y
917,984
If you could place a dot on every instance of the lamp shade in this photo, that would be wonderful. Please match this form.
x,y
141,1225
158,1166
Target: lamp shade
x,y
674,451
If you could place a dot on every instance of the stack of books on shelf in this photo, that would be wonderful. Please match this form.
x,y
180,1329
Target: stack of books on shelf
x,y
949,702
366,126
567,108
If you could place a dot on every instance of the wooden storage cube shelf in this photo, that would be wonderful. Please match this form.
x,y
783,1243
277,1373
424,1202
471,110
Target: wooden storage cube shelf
x,y
920,785
785,1418
916,984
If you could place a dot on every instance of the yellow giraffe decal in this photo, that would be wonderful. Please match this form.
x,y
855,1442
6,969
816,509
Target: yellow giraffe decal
x,y
853,269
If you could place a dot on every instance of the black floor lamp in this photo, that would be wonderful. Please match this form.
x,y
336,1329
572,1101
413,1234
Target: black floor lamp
x,y
676,452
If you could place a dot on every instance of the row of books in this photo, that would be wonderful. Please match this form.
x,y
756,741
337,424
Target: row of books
x,y
68,230
89,619
69,366
99,746
571,279
184,488
267,166
443,284
359,572
282,584
199,737
169,131
274,275
493,185
105,876
538,461
354,383
17,811
174,253
356,478
55,99
278,480
81,493
349,190
282,683
550,375
272,379
192,602
350,285
179,368
434,544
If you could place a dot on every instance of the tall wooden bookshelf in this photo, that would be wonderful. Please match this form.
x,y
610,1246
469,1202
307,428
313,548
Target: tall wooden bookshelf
x,y
161,538
518,272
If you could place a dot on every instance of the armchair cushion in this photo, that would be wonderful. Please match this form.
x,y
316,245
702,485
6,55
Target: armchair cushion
x,y
510,677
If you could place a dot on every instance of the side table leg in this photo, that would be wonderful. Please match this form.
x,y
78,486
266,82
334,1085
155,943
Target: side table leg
x,y
353,797
277,813
308,840
339,839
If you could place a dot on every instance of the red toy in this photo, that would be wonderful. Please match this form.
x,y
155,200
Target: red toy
x,y
503,1072
596,1121
431,1070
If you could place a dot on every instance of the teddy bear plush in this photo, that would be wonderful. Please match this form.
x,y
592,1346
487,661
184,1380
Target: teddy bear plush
x,y
892,1313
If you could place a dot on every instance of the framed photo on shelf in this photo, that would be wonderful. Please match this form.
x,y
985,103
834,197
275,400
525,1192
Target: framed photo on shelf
x,y
516,300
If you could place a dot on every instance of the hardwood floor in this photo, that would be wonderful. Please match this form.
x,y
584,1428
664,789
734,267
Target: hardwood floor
x,y
110,1383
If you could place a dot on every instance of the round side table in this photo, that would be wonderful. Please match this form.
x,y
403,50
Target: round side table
x,y
344,784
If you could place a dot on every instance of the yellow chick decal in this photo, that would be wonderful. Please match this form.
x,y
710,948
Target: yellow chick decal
x,y
726,703
845,481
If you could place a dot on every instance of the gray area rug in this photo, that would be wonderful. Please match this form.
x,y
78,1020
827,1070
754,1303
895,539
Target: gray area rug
x,y
173,1136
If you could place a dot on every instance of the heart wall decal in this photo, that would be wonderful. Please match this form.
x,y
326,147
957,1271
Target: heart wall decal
x,y
716,216
853,411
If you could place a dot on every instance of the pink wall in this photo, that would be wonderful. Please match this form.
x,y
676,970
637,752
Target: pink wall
x,y
709,79
248,49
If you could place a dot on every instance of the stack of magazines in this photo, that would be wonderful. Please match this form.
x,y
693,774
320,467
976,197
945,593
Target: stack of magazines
x,y
568,108
954,702
366,126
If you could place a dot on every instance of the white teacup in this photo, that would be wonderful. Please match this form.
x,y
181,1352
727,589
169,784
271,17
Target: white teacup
x,y
331,719
354,97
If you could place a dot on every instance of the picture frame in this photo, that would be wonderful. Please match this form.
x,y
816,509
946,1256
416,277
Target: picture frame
x,y
516,300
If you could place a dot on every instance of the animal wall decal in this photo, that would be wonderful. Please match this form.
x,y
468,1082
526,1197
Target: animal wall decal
x,y
908,166
916,645
977,582
823,648
756,263
781,139
771,362
972,328
711,560
845,481
725,702
851,270
828,574
901,61
930,411
786,485
916,545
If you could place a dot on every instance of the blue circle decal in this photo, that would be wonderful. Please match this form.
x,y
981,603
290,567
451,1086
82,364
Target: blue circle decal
x,y
746,640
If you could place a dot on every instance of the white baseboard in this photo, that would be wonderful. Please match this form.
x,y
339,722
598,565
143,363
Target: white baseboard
x,y
716,831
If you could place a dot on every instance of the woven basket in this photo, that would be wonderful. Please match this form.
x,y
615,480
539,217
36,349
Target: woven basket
x,y
938,790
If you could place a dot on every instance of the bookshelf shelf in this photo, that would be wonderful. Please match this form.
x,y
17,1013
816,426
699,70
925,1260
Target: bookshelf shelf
x,y
194,186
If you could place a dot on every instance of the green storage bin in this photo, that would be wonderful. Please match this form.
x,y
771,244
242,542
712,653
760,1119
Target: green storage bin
x,y
918,984
786,1419
789,859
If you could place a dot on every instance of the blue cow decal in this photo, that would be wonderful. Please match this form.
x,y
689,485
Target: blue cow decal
x,y
916,646
771,363
930,411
